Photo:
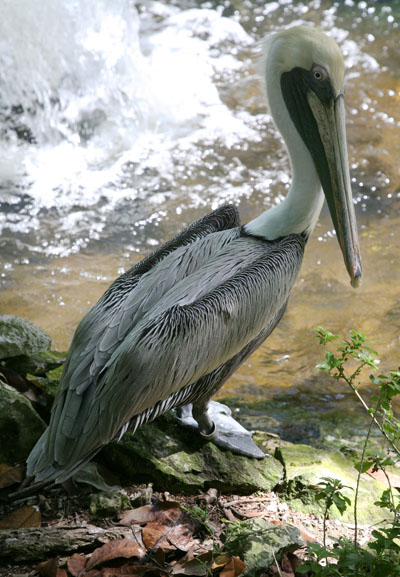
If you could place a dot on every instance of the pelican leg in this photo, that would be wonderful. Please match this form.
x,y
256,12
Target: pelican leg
x,y
207,428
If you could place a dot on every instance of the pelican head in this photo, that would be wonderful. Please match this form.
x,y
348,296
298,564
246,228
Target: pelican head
x,y
304,71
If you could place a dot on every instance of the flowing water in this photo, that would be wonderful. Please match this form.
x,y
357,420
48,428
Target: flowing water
x,y
121,122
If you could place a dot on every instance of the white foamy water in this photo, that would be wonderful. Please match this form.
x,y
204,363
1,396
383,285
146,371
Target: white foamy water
x,y
115,113
93,92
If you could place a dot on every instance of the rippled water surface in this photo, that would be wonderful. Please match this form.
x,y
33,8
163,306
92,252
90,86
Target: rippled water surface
x,y
121,122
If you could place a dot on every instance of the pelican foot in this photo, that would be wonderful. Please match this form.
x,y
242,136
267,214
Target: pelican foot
x,y
228,433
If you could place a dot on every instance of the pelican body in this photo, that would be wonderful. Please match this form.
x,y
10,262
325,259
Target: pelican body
x,y
171,330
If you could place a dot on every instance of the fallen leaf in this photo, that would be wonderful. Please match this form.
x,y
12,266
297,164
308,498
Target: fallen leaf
x,y
197,567
124,571
168,538
234,567
25,516
76,564
93,573
48,568
290,562
10,475
61,573
168,512
114,549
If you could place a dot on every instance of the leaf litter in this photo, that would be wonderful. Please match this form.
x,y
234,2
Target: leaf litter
x,y
166,538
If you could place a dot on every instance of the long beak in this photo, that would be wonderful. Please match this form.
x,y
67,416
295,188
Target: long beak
x,y
333,170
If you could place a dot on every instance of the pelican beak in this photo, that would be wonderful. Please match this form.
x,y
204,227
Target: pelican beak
x,y
333,169
319,116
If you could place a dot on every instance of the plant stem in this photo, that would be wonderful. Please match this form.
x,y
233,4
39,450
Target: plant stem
x,y
364,404
360,469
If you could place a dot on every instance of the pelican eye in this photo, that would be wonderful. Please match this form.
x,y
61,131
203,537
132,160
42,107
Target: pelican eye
x,y
319,73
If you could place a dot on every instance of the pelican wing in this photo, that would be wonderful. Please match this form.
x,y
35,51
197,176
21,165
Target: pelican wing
x,y
178,342
105,326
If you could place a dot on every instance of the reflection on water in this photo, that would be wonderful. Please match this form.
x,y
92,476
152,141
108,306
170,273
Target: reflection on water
x,y
136,118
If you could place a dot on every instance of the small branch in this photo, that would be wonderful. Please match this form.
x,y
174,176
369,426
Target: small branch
x,y
40,543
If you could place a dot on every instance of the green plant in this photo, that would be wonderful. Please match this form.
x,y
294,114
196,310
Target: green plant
x,y
330,492
345,359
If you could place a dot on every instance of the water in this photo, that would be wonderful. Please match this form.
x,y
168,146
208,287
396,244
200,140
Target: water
x,y
122,122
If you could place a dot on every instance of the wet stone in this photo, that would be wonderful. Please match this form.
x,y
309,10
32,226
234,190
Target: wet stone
x,y
305,467
257,542
21,337
108,503
173,456
19,422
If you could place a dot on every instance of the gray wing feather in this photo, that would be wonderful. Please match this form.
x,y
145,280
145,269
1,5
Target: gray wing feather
x,y
206,333
103,329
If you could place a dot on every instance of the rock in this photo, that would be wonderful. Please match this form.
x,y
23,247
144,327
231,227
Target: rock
x,y
306,466
172,456
21,337
109,503
256,541
39,364
20,425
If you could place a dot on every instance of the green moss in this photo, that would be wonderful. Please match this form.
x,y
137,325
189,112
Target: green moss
x,y
258,542
305,467
21,337
20,423
175,457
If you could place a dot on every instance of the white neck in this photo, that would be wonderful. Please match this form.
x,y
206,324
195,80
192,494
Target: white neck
x,y
300,210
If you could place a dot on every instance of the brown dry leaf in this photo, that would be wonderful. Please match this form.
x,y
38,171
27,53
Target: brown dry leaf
x,y
48,568
10,475
114,549
295,560
76,564
93,573
166,513
156,536
124,571
290,562
234,567
25,516
197,567
61,573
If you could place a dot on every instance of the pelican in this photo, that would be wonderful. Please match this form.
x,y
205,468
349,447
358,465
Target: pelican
x,y
170,331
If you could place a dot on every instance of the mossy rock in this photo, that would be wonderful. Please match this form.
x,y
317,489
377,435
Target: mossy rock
x,y
258,542
38,364
305,467
21,337
107,504
20,425
173,456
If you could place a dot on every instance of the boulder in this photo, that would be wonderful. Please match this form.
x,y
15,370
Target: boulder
x,y
174,457
20,425
21,337
305,467
38,364
258,542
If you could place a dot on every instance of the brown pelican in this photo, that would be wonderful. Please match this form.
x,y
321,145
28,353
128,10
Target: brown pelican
x,y
171,330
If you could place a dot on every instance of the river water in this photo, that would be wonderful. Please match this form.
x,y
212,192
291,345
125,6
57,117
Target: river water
x,y
121,122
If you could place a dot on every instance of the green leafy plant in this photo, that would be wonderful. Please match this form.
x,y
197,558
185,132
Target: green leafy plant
x,y
345,359
330,492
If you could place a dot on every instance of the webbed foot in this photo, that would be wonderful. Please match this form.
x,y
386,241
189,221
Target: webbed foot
x,y
216,423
